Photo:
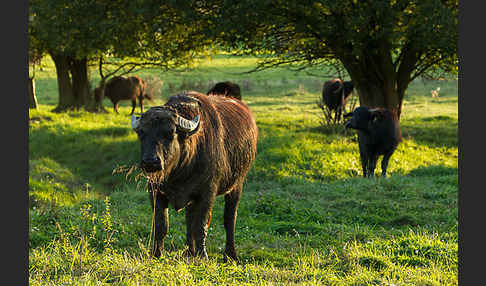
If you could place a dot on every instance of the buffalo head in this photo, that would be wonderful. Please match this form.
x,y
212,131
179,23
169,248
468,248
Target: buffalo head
x,y
360,118
161,130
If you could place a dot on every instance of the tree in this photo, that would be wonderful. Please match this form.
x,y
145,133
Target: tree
x,y
36,53
383,45
63,28
133,34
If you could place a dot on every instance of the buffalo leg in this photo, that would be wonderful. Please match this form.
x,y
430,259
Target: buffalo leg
x,y
140,100
134,105
161,221
384,163
339,112
364,163
115,107
372,165
200,223
231,201
189,239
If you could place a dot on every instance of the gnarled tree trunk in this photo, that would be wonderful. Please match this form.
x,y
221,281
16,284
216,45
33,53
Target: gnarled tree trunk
x,y
67,101
74,85
376,78
80,80
384,95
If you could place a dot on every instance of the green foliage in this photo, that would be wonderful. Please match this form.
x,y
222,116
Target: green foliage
x,y
381,45
133,31
306,215
322,31
120,36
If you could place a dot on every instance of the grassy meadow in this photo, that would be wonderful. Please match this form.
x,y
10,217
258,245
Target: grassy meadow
x,y
306,215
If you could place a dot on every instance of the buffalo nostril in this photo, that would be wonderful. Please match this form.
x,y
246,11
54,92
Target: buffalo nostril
x,y
151,161
151,164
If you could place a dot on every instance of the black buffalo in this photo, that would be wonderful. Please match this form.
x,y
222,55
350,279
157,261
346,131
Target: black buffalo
x,y
194,148
378,134
226,88
126,88
335,94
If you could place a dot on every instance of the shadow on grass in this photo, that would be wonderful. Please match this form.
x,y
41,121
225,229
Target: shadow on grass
x,y
435,170
436,131
92,155
393,203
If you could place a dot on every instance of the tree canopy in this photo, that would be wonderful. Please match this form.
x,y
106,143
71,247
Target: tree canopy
x,y
383,45
135,34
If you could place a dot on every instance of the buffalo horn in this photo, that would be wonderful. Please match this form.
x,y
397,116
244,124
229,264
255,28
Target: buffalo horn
x,y
188,125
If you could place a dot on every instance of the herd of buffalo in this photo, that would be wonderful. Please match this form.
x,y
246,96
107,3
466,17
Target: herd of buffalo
x,y
198,146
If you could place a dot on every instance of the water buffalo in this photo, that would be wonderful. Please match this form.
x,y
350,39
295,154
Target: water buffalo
x,y
335,94
378,134
194,148
226,88
126,88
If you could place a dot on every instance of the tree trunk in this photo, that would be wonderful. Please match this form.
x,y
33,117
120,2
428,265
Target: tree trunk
x,y
377,86
32,97
74,85
81,85
374,95
376,77
66,96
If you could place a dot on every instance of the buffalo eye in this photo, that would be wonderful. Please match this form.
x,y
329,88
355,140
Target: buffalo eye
x,y
165,135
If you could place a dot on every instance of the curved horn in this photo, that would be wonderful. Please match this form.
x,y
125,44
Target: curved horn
x,y
135,122
188,125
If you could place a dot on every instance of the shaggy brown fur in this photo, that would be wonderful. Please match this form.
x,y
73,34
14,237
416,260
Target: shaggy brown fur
x,y
226,88
126,88
197,166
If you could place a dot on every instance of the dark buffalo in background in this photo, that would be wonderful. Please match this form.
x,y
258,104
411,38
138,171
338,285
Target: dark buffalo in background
x,y
126,88
335,94
378,134
227,88
194,148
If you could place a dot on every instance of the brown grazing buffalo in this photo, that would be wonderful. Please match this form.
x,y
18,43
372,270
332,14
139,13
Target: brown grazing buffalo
x,y
335,94
227,88
378,134
126,88
194,148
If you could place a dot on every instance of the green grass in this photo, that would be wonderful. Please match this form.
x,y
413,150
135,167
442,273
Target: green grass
x,y
306,215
